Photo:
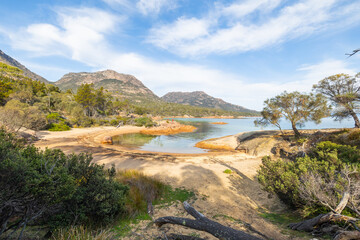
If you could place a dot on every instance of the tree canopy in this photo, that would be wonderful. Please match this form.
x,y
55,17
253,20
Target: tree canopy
x,y
296,107
343,91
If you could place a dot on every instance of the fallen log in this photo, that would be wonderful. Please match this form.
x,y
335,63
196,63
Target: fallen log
x,y
180,237
308,225
347,235
204,224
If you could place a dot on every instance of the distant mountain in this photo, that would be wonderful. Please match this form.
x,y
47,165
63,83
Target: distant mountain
x,y
4,58
121,85
201,99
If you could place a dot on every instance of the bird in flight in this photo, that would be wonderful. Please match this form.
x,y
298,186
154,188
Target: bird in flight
x,y
354,51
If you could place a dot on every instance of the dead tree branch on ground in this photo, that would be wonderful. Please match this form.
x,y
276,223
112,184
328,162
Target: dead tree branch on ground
x,y
204,224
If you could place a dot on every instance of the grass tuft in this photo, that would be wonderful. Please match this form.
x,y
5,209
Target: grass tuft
x,y
83,233
143,190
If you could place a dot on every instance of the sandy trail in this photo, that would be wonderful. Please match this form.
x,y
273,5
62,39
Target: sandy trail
x,y
237,195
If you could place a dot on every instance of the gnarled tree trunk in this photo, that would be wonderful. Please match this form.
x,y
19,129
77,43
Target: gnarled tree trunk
x,y
355,117
204,224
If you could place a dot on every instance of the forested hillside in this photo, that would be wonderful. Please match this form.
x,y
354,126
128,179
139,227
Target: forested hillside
x,y
201,99
4,58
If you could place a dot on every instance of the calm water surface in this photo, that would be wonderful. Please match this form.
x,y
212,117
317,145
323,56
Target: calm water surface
x,y
184,142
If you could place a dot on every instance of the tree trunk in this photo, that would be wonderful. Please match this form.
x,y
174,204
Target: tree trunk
x,y
355,117
181,237
296,131
204,224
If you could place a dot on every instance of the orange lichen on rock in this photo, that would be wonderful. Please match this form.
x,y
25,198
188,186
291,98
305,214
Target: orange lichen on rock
x,y
208,145
219,123
168,128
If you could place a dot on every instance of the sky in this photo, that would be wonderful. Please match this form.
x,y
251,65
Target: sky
x,y
242,51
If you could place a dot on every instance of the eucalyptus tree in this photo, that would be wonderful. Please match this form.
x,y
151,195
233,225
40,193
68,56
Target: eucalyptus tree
x,y
343,91
295,107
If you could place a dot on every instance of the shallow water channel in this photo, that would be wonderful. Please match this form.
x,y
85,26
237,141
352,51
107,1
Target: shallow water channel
x,y
185,142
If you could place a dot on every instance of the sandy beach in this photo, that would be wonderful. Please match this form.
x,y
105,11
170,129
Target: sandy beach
x,y
237,195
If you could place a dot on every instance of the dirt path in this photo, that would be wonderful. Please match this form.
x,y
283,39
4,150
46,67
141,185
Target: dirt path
x,y
237,195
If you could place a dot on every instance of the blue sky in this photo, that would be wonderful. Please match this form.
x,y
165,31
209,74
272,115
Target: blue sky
x,y
243,51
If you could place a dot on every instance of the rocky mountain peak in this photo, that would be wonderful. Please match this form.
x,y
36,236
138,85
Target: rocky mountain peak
x,y
123,85
202,99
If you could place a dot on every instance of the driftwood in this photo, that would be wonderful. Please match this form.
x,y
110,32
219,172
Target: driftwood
x,y
180,237
204,224
346,235
333,216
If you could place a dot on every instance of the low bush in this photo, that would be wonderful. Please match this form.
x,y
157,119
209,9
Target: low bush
x,y
114,122
144,121
98,199
83,121
337,154
54,189
59,127
55,122
104,122
288,178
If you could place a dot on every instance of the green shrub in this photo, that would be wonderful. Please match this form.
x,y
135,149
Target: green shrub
x,y
144,121
283,177
125,120
97,199
140,110
227,171
336,153
56,122
83,121
114,122
31,179
54,117
59,127
104,122
60,190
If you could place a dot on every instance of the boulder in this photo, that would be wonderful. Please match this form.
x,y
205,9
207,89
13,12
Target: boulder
x,y
107,140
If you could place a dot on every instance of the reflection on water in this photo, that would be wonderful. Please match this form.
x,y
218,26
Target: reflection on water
x,y
184,142
133,140
177,143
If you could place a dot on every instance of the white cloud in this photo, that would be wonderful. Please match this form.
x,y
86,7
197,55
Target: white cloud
x,y
79,33
122,3
317,72
243,8
181,31
147,7
298,20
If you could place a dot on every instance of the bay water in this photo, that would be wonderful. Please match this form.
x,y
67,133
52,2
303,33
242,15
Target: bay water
x,y
185,142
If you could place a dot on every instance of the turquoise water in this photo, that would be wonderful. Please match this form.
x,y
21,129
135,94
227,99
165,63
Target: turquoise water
x,y
184,142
